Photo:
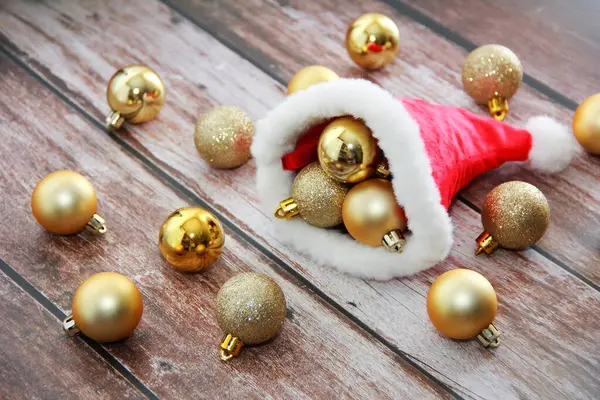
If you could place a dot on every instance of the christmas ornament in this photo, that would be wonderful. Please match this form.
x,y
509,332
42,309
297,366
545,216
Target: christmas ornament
x,y
347,150
491,75
373,217
372,41
462,304
433,151
191,239
223,137
64,202
106,307
586,124
250,310
309,76
515,215
135,94
316,197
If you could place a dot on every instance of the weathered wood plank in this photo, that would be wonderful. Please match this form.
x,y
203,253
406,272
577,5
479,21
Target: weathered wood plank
x,y
38,361
318,354
396,310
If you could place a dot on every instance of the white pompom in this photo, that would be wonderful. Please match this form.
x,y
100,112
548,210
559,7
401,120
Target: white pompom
x,y
553,144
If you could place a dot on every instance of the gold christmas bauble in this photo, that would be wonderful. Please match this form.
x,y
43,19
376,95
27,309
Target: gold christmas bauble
x,y
64,202
491,75
316,197
135,94
586,124
372,41
372,215
515,215
107,307
191,239
309,76
461,303
347,150
250,310
223,137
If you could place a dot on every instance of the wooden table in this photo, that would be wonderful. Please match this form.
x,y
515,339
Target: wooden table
x,y
344,337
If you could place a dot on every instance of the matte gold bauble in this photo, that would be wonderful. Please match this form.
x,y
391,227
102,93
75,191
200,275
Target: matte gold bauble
x,y
372,41
462,304
223,137
491,75
316,197
515,215
64,202
309,76
135,94
586,124
191,239
106,307
250,310
372,215
347,150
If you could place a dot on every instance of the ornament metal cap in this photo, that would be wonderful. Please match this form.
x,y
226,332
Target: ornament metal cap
x,y
97,225
230,347
69,326
394,241
383,171
487,244
114,121
498,107
287,209
489,337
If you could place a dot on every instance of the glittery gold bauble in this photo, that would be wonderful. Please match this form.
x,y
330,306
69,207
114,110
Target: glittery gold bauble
x,y
250,310
316,197
309,76
135,94
106,307
586,124
347,150
461,304
372,41
64,202
372,215
223,137
515,215
191,239
491,75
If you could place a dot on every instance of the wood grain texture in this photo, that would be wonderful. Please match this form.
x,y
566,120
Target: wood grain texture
x,y
558,41
548,316
318,354
39,362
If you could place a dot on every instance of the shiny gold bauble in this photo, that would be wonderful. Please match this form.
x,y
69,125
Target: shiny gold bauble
x,y
107,307
223,137
586,124
309,76
191,239
491,75
516,215
461,303
372,41
250,308
370,212
347,150
135,94
64,202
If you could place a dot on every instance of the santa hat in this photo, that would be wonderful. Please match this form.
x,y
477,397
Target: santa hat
x,y
433,151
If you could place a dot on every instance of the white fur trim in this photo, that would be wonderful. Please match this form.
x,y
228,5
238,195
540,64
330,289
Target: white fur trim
x,y
414,187
553,145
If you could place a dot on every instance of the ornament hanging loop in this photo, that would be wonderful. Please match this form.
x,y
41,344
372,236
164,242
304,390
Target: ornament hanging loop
x,y
498,107
489,337
69,326
487,244
230,347
97,225
114,121
287,209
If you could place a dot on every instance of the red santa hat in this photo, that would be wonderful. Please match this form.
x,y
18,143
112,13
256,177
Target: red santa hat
x,y
433,151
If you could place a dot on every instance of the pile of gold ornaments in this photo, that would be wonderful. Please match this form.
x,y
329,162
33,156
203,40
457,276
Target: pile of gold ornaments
x,y
347,186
